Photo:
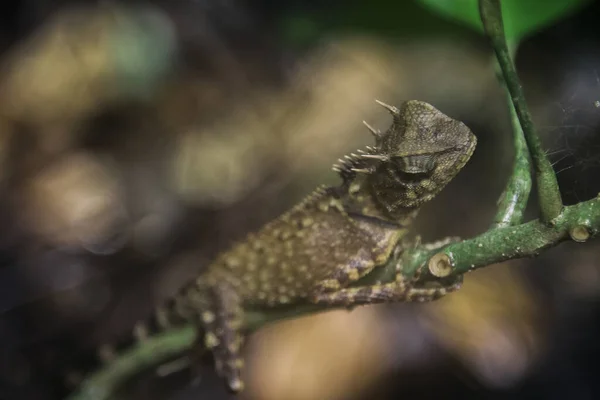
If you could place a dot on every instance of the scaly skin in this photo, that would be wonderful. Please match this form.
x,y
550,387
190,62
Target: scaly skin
x,y
333,238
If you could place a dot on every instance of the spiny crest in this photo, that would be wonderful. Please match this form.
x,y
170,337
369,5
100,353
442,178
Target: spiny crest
x,y
361,162
317,194
357,163
320,192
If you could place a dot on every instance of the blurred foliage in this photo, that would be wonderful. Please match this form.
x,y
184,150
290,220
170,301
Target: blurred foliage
x,y
392,19
521,17
407,18
144,44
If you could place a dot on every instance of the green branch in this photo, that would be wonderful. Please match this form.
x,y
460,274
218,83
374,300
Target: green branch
x,y
547,185
513,201
579,222
103,384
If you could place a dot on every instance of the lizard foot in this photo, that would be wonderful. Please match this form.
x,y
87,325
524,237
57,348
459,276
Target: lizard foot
x,y
395,292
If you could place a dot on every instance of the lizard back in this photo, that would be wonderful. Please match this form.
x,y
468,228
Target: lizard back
x,y
280,263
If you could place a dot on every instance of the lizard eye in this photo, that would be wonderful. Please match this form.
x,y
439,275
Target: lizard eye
x,y
418,164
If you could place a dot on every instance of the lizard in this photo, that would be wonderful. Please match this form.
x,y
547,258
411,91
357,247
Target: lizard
x,y
331,239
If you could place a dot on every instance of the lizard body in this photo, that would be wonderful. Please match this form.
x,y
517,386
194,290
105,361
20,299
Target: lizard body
x,y
334,237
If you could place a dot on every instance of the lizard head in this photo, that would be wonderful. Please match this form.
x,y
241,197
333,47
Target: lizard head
x,y
416,157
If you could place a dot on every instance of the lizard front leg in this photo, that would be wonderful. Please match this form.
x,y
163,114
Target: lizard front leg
x,y
221,317
401,290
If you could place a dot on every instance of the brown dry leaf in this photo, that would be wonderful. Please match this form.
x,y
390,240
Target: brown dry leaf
x,y
218,165
330,95
303,128
68,69
59,73
331,356
77,202
492,324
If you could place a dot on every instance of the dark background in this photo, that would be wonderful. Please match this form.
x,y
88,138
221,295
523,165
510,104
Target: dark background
x,y
209,133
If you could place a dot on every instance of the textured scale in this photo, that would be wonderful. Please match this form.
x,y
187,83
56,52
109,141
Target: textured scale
x,y
283,261
334,237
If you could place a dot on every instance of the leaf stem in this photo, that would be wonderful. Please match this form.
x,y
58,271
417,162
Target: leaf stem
x,y
513,201
547,185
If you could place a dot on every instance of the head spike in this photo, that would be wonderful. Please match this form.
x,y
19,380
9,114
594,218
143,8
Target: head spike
x,y
374,132
375,157
362,170
391,109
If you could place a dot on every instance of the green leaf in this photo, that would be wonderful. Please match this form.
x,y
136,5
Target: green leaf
x,y
521,17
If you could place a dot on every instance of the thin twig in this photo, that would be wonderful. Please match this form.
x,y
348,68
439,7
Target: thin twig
x,y
547,185
513,201
579,222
